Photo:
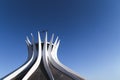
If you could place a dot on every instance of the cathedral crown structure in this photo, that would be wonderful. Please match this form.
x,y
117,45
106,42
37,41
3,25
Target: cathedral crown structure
x,y
42,63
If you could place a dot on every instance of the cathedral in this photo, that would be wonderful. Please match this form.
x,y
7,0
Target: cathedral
x,y
42,62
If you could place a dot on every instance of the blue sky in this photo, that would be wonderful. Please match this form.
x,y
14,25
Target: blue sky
x,y
89,31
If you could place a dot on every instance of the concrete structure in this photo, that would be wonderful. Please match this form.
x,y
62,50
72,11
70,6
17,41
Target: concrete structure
x,y
42,63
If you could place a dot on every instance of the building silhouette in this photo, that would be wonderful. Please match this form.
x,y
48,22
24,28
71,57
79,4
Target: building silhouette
x,y
42,63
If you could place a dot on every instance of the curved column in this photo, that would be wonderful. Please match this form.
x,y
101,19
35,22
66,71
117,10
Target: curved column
x,y
28,40
50,45
45,59
59,65
25,66
29,45
37,63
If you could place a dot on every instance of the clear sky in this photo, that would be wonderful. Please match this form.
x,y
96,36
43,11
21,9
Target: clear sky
x,y
89,31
